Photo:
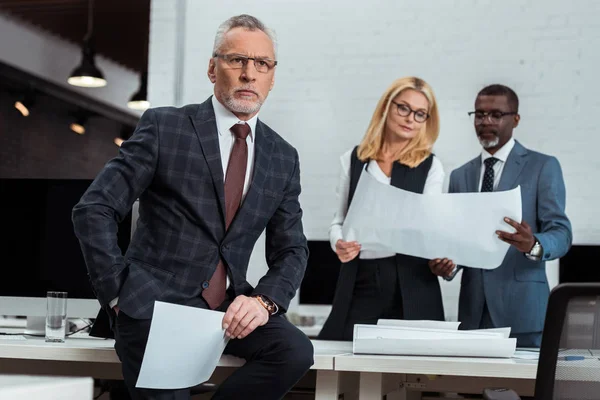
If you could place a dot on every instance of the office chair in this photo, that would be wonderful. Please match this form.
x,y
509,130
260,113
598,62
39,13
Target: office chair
x,y
569,362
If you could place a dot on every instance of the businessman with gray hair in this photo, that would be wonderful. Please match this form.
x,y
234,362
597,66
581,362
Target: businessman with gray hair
x,y
210,179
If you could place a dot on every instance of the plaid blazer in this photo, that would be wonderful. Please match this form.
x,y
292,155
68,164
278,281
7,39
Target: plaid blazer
x,y
172,163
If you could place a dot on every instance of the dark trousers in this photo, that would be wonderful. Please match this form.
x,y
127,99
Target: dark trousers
x,y
529,339
376,294
277,355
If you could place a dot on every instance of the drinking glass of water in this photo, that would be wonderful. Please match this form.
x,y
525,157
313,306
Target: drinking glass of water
x,y
56,316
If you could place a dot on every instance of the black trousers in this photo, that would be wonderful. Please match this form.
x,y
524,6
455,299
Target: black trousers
x,y
376,294
277,355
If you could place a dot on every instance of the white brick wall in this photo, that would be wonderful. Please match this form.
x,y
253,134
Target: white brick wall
x,y
336,59
162,52
36,51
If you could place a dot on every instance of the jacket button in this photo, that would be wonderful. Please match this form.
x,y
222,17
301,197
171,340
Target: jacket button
x,y
204,284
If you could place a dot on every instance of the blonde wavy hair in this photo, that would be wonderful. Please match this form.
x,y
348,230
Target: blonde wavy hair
x,y
419,148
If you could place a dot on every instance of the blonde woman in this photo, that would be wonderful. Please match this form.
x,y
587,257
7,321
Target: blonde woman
x,y
397,150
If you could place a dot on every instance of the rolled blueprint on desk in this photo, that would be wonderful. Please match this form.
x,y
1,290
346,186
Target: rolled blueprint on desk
x,y
409,341
184,347
416,323
458,226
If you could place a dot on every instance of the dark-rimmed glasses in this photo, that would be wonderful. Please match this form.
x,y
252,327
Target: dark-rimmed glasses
x,y
238,61
405,111
493,116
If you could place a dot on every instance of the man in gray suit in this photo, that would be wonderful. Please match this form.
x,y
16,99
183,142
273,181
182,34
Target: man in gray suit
x,y
210,178
516,293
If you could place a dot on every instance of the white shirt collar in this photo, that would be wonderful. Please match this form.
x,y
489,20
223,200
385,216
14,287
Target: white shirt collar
x,y
501,154
225,119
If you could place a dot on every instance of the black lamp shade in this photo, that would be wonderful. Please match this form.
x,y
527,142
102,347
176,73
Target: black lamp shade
x,y
87,74
139,100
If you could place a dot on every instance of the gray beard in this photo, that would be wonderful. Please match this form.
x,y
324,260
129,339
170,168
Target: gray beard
x,y
486,144
243,108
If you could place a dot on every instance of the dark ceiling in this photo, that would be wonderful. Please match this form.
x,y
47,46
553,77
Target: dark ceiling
x,y
121,27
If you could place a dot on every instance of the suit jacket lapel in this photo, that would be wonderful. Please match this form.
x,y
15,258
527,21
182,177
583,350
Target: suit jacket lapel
x,y
263,148
472,175
206,129
515,163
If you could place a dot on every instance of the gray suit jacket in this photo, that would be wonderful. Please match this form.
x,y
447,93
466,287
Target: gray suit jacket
x,y
172,163
517,291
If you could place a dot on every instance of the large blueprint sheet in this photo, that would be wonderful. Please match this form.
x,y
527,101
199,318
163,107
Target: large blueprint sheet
x,y
458,226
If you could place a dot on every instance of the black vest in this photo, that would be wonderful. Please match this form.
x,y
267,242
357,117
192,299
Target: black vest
x,y
419,287
403,177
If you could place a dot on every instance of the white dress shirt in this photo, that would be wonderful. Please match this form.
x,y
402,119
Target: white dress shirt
x,y
433,184
225,119
502,156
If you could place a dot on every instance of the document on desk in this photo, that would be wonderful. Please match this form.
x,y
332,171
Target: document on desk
x,y
433,324
526,355
408,323
459,226
184,347
410,341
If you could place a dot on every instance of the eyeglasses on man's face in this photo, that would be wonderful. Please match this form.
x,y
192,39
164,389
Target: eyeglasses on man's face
x,y
238,61
404,111
493,116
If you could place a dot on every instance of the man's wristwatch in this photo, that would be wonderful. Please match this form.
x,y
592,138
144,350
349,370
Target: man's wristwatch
x,y
535,254
267,304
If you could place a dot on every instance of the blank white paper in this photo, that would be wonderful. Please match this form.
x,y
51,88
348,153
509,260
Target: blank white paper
x,y
526,355
451,325
410,341
492,347
184,347
504,331
458,226
367,331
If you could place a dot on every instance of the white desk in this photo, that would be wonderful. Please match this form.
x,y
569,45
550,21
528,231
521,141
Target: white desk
x,y
311,331
337,369
11,322
330,383
98,359
383,374
45,388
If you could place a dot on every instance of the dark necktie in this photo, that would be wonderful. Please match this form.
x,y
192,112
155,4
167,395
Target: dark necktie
x,y
214,294
488,175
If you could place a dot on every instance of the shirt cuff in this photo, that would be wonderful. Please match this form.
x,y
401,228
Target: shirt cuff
x,y
114,302
275,304
336,234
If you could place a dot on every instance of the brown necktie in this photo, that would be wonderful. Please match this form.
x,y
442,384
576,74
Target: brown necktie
x,y
214,294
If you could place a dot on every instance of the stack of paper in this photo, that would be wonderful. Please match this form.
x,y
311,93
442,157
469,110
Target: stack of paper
x,y
431,338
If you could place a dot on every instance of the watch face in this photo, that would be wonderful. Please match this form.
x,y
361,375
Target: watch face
x,y
267,301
